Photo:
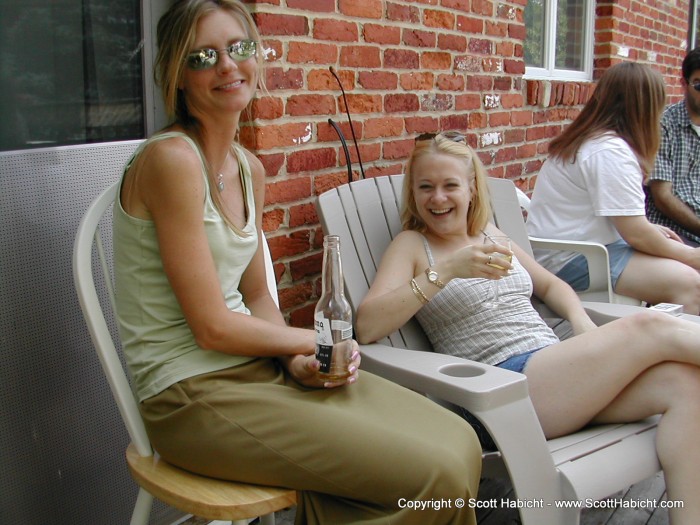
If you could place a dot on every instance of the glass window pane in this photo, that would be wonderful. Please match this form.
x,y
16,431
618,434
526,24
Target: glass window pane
x,y
570,38
534,40
697,25
70,71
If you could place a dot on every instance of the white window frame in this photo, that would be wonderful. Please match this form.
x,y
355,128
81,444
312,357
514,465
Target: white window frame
x,y
549,71
155,116
693,33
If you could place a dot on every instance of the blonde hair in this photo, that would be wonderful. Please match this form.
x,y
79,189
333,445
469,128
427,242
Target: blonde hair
x,y
628,101
447,144
175,35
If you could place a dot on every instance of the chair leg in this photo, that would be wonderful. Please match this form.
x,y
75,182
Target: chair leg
x,y
268,519
142,508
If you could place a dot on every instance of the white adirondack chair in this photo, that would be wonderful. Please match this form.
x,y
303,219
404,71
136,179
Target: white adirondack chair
x,y
509,201
593,463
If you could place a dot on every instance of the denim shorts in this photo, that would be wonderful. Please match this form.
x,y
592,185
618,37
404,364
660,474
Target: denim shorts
x,y
517,363
575,272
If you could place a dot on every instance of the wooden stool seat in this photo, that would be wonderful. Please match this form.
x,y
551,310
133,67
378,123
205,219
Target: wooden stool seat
x,y
203,496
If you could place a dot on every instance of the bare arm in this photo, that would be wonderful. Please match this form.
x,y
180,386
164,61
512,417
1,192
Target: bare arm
x,y
391,302
673,207
555,293
645,237
172,191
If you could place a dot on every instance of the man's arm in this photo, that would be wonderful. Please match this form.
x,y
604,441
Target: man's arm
x,y
674,208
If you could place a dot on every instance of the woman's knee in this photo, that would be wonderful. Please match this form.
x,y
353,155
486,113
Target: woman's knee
x,y
685,289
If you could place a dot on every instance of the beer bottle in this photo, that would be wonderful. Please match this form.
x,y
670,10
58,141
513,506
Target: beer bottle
x,y
333,317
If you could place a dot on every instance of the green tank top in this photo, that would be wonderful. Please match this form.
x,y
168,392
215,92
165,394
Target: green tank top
x,y
158,345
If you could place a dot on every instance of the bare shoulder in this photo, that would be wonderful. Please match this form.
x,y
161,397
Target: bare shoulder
x,y
407,246
257,169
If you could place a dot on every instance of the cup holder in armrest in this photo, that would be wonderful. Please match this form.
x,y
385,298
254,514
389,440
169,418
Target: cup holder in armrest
x,y
461,370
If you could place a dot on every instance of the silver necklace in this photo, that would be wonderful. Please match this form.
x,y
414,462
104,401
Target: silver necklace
x,y
220,182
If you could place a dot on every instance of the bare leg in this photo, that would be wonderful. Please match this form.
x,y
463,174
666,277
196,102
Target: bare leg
x,y
626,370
659,280
671,389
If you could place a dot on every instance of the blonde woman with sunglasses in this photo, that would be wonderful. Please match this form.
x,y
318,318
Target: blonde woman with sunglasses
x,y
439,270
226,389
591,189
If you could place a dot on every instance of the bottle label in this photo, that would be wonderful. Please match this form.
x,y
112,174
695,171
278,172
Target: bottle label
x,y
329,332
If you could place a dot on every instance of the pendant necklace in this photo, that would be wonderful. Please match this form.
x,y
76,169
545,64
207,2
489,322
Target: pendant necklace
x,y
220,182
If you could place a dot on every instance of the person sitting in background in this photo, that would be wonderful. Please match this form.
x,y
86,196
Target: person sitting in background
x,y
440,269
591,189
226,388
673,197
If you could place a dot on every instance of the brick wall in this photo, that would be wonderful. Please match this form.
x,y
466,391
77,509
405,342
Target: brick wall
x,y
410,67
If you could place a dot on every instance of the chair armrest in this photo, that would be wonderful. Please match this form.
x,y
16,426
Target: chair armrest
x,y
595,253
602,313
497,397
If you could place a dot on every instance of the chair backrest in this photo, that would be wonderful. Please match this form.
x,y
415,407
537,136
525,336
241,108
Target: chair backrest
x,y
90,260
507,211
366,216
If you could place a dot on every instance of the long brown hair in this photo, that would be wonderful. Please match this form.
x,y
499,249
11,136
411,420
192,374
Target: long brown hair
x,y
448,143
628,101
175,35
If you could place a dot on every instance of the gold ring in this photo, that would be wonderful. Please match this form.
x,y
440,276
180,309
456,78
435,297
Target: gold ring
x,y
490,259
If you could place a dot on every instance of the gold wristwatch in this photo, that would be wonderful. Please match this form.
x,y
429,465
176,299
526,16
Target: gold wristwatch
x,y
434,278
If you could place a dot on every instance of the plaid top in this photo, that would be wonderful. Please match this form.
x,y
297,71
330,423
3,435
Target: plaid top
x,y
457,323
677,162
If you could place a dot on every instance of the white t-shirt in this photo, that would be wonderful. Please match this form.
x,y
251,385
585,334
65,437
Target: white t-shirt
x,y
575,200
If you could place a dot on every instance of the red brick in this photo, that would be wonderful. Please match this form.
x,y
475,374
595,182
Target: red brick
x,y
361,103
439,19
322,80
302,214
287,191
273,24
267,108
278,78
336,30
398,149
296,295
311,160
436,60
381,34
417,81
272,220
378,80
402,13
419,38
275,136
289,245
421,125
360,56
453,43
272,163
450,82
316,53
361,8
300,105
401,103
400,58
319,6
383,127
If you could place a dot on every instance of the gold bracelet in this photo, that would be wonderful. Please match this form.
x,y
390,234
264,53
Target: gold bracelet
x,y
418,292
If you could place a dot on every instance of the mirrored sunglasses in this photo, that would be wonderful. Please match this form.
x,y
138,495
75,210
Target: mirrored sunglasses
x,y
454,136
207,58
